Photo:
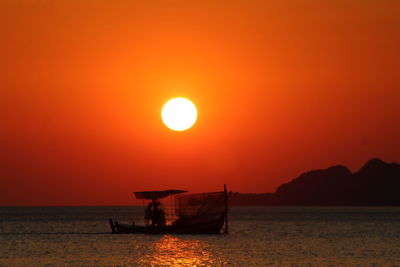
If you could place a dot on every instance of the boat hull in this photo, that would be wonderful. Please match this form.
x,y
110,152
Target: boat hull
x,y
210,227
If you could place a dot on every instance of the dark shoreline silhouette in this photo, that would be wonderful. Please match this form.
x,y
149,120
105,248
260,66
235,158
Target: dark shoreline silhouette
x,y
377,183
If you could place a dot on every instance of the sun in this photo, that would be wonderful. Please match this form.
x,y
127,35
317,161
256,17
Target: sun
x,y
179,114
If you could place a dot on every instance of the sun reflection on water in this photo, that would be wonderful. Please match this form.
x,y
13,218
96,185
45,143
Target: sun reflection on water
x,y
173,251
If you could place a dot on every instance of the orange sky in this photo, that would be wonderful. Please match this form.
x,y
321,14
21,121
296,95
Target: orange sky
x,y
282,87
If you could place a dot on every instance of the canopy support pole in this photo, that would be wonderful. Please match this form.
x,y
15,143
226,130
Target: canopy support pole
x,y
226,208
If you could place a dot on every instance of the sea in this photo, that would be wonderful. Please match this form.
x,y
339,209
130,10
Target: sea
x,y
258,236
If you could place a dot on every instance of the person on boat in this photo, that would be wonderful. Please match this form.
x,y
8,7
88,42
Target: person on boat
x,y
158,215
153,213
161,217
148,214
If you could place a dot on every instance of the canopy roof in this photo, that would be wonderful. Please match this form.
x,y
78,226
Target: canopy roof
x,y
157,194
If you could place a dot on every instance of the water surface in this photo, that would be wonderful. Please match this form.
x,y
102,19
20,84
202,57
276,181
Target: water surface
x,y
259,236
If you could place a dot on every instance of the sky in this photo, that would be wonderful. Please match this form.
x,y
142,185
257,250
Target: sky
x,y
281,88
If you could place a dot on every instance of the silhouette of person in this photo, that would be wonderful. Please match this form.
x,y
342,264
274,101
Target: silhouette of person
x,y
161,217
158,214
148,214
154,216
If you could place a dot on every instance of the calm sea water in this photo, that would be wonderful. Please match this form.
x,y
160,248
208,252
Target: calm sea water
x,y
259,236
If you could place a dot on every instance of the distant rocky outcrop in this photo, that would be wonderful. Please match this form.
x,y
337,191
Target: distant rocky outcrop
x,y
376,183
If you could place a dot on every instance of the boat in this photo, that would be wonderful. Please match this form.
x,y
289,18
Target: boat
x,y
201,213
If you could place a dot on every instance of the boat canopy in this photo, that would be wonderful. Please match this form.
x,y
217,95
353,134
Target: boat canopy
x,y
153,195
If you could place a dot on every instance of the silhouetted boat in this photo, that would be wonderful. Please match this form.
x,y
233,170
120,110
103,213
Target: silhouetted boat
x,y
204,213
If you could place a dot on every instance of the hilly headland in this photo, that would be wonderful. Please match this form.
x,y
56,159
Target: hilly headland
x,y
377,183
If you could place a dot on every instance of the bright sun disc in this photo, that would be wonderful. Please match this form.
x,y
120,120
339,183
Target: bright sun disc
x,y
179,114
